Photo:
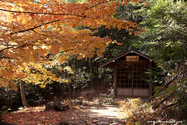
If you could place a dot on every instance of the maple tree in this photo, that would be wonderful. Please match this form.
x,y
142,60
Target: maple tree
x,y
30,30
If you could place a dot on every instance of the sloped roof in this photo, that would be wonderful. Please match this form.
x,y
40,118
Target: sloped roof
x,y
110,63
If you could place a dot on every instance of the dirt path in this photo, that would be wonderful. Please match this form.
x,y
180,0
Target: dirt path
x,y
110,111
90,115
101,114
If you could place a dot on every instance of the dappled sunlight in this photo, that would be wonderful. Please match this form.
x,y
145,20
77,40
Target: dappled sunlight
x,y
111,111
31,109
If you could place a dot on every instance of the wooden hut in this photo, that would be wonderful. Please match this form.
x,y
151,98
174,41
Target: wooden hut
x,y
130,79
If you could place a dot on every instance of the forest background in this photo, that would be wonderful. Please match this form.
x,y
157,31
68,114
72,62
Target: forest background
x,y
57,47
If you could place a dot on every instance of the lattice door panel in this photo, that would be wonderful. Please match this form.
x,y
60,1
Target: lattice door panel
x,y
132,75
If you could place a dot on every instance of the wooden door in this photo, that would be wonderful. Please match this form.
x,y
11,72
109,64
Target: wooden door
x,y
132,80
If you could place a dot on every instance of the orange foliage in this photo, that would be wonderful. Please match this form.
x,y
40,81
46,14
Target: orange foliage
x,y
30,30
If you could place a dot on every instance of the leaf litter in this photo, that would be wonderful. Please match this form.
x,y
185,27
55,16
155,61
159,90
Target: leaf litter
x,y
90,114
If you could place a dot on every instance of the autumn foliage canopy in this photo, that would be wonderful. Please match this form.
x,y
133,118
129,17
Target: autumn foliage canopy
x,y
33,29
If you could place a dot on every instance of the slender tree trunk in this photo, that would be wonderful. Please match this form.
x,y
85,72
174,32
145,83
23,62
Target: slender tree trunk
x,y
91,79
69,90
74,74
24,101
69,87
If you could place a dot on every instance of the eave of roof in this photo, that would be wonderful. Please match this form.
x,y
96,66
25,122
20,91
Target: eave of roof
x,y
131,50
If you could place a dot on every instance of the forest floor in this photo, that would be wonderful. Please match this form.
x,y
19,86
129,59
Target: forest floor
x,y
97,109
90,114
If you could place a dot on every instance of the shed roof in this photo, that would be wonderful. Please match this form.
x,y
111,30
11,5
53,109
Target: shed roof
x,y
110,63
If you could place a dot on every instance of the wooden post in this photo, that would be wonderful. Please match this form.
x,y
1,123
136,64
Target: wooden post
x,y
115,79
132,75
150,84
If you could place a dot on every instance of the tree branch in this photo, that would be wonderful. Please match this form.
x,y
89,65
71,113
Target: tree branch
x,y
95,5
2,57
14,47
166,85
172,94
14,11
35,27
173,104
6,48
42,13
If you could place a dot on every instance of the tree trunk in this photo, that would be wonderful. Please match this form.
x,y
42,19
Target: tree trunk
x,y
172,94
69,87
91,79
166,85
24,101
74,74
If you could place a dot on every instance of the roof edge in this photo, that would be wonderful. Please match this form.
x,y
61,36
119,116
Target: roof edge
x,y
131,50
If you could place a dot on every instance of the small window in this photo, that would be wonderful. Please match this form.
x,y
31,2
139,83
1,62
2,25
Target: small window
x,y
134,86
126,86
118,85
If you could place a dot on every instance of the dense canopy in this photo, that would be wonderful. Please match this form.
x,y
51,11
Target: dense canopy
x,y
33,30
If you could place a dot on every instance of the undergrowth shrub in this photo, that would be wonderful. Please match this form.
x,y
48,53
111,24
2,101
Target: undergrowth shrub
x,y
133,107
107,98
137,112
7,98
